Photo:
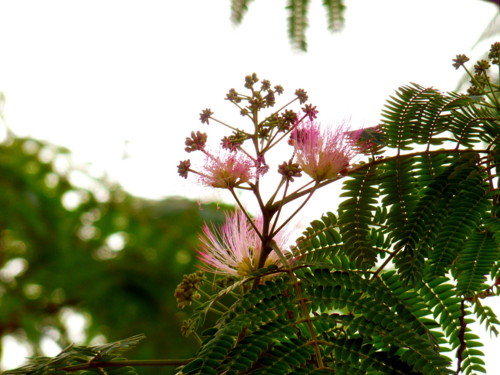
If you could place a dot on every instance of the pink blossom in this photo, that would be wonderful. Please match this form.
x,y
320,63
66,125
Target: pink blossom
x,y
322,153
227,170
234,248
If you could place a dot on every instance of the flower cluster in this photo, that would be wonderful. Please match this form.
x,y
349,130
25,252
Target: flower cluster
x,y
187,291
241,246
481,84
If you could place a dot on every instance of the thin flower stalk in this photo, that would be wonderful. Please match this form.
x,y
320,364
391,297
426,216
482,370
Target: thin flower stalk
x,y
311,192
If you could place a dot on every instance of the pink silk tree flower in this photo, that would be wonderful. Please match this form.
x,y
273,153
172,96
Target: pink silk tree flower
x,y
227,170
322,153
234,248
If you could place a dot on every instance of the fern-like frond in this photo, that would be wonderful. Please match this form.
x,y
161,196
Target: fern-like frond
x,y
404,115
355,356
239,9
470,356
462,216
441,299
475,262
398,189
416,306
356,216
486,316
492,225
473,124
425,116
320,242
429,215
335,14
297,19
364,326
83,358
429,165
297,23
261,315
375,305
259,333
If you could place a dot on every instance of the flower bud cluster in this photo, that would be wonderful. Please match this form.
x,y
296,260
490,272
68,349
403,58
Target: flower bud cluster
x,y
289,170
481,80
195,142
236,167
187,291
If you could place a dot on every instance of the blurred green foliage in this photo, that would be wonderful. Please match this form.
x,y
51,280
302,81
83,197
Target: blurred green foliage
x,y
70,243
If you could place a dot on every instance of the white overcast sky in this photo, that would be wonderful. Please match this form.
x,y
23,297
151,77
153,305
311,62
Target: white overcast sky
x,y
93,75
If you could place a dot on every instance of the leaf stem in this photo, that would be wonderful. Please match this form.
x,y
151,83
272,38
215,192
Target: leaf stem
x,y
231,127
152,362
